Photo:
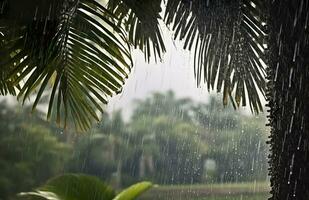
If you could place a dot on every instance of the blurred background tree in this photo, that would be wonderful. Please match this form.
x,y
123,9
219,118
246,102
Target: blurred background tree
x,y
29,152
166,140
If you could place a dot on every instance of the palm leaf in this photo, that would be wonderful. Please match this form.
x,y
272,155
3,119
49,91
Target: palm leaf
x,y
228,39
141,21
81,52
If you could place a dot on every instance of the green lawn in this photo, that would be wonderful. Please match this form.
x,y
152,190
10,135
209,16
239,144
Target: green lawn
x,y
237,197
229,191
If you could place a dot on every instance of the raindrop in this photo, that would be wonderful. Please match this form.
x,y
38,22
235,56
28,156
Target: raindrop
x,y
294,106
35,14
299,176
306,23
285,133
291,123
299,142
252,166
259,147
290,79
49,12
301,7
277,68
278,39
292,163
45,25
295,20
302,123
295,51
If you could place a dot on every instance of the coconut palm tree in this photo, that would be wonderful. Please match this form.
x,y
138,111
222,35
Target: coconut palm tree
x,y
288,94
80,49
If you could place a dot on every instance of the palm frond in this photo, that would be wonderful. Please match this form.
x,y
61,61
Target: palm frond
x,y
141,21
6,85
82,56
229,42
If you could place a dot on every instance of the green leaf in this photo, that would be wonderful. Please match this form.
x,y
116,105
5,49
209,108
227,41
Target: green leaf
x,y
73,187
228,39
133,191
81,58
83,187
141,21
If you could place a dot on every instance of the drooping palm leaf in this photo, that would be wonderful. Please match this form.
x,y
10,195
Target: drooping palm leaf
x,y
6,85
141,20
84,187
228,38
80,50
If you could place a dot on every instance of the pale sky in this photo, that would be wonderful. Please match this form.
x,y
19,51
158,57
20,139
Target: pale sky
x,y
175,72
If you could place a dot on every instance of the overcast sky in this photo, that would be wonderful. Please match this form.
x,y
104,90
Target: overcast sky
x,y
175,72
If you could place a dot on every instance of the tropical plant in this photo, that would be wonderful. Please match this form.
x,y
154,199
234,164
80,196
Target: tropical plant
x,y
233,41
72,49
81,48
78,186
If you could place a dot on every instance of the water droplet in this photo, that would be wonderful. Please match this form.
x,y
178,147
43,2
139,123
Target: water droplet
x,y
277,68
35,14
290,79
299,142
294,106
295,51
291,123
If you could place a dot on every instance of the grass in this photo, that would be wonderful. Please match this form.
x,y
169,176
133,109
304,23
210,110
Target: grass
x,y
227,191
237,197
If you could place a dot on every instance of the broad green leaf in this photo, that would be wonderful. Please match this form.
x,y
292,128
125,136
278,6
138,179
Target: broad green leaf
x,y
73,187
133,191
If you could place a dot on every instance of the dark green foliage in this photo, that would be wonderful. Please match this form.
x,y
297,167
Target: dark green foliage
x,y
140,19
228,39
72,49
79,186
168,140
236,142
80,48
29,153
170,149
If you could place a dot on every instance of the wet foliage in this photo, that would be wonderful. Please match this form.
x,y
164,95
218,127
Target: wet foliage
x,y
167,140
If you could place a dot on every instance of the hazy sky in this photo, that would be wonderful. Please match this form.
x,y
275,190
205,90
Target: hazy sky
x,y
175,72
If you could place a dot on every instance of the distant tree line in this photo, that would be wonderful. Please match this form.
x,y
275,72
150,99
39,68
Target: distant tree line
x,y
167,140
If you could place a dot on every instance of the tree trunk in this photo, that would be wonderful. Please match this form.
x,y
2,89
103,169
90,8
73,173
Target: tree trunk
x,y
288,96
